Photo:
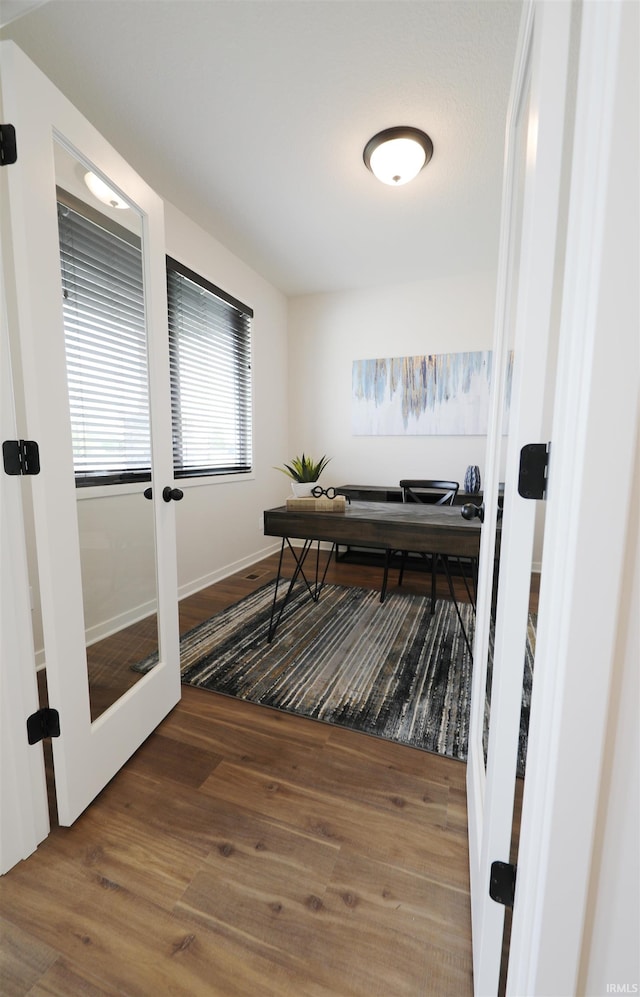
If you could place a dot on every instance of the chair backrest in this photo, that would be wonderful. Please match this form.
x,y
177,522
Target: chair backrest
x,y
429,491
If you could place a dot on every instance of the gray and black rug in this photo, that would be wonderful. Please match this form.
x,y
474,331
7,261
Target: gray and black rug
x,y
388,669
391,669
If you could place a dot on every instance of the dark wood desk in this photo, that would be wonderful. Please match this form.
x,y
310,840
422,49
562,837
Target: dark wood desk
x,y
385,493
387,526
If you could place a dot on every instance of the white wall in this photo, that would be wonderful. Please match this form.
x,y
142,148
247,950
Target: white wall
x,y
219,523
327,332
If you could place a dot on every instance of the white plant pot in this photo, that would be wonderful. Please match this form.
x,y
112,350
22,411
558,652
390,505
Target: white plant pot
x,y
302,489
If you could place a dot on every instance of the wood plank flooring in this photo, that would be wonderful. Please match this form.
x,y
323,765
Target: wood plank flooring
x,y
244,852
109,660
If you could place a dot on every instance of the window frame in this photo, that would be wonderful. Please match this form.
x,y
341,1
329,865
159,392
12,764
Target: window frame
x,y
203,473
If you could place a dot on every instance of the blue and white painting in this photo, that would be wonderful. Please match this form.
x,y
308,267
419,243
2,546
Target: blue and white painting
x,y
444,394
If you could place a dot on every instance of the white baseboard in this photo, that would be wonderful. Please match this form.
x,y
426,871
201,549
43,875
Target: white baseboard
x,y
230,569
112,626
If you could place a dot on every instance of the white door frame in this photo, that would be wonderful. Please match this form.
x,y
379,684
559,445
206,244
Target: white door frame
x,y
526,270
24,816
594,445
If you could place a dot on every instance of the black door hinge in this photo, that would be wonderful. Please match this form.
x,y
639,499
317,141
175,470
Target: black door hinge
x,y
44,723
534,465
502,884
21,457
8,147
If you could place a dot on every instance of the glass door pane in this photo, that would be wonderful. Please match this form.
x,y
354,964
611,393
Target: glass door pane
x,y
108,386
505,377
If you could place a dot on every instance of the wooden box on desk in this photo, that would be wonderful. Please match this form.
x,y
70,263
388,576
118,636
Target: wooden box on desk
x,y
337,504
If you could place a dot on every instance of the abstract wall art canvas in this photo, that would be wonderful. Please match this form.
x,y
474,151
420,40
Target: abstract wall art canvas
x,y
445,394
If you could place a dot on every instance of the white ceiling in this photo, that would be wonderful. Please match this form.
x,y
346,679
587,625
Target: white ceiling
x,y
251,117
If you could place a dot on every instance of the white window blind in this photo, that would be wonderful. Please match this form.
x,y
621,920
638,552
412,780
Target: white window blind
x,y
106,347
210,360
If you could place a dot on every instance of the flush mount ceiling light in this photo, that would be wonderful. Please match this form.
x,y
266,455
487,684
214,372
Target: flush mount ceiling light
x,y
103,192
396,155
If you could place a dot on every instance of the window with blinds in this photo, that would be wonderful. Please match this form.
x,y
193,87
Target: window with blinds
x,y
210,361
106,346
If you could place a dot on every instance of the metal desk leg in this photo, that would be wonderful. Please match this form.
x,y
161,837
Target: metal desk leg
x,y
385,577
471,585
445,563
314,590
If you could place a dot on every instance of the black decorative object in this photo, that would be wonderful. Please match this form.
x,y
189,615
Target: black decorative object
x,y
472,480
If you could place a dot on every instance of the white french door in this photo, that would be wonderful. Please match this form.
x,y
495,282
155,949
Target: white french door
x,y
580,658
524,322
105,556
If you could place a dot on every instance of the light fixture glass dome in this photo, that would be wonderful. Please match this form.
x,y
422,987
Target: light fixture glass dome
x,y
396,155
103,192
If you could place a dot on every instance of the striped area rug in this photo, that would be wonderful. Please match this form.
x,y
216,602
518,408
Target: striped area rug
x,y
391,669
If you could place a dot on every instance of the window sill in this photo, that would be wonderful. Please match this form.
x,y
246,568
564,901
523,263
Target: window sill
x,y
138,487
214,479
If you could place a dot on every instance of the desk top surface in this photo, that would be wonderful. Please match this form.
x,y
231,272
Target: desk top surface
x,y
405,512
407,526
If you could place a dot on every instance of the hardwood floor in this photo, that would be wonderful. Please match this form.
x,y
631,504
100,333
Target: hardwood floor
x,y
109,660
243,852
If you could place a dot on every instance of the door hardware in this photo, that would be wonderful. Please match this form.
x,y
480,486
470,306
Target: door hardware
x,y
471,511
534,470
21,457
8,147
169,494
172,493
44,723
502,884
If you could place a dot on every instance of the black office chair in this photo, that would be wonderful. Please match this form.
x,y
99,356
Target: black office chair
x,y
429,492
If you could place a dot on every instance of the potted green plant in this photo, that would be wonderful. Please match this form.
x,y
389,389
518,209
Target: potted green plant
x,y
304,472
